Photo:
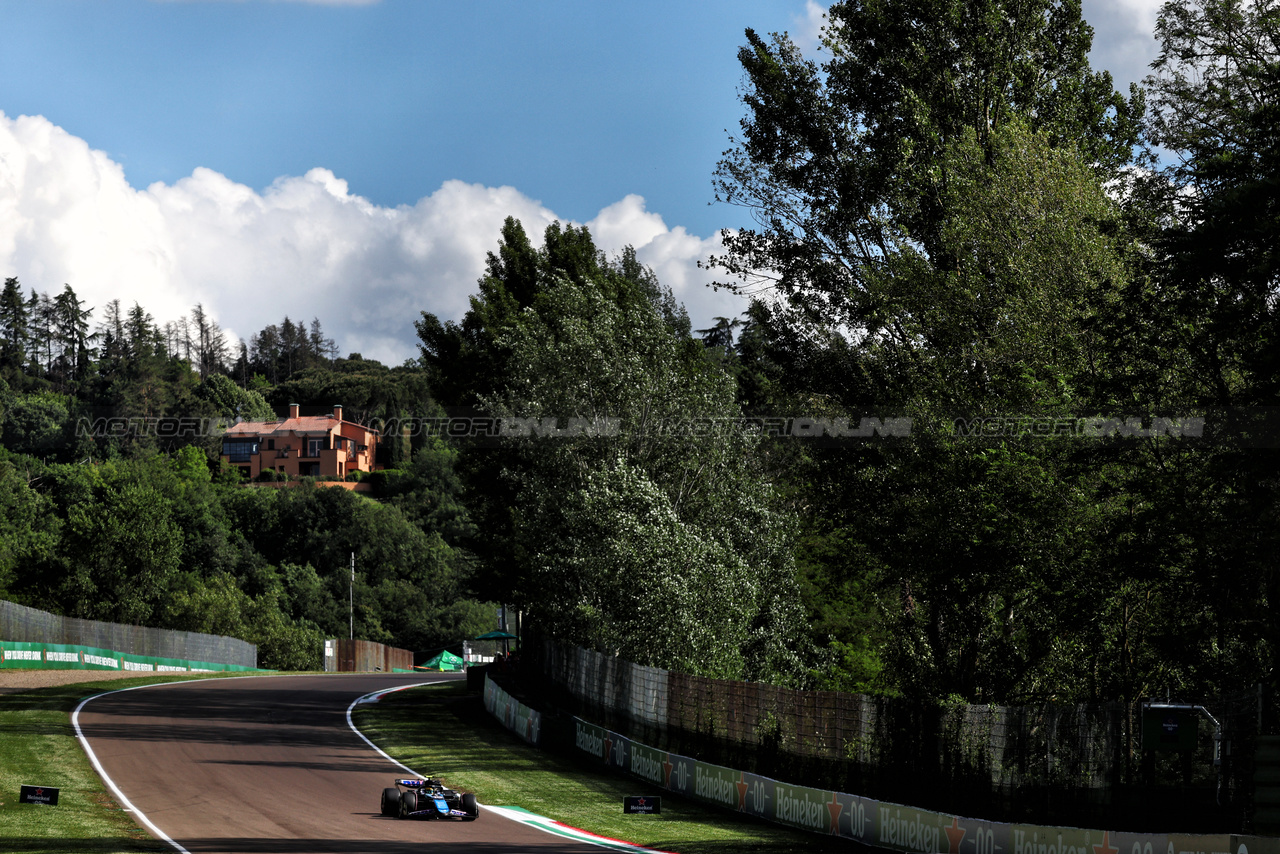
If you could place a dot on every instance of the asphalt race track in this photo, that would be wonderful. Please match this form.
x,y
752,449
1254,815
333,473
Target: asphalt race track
x,y
270,765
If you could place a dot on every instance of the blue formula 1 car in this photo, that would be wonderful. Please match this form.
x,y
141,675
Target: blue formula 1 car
x,y
428,799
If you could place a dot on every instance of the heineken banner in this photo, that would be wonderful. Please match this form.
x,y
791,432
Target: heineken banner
x,y
880,824
54,656
514,715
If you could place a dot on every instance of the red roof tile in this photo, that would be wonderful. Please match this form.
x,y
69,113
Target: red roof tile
x,y
305,424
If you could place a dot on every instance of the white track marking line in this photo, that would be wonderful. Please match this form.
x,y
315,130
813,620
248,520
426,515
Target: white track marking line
x,y
376,696
111,784
528,819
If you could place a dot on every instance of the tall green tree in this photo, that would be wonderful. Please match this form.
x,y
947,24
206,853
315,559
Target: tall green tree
x,y
469,361
13,330
1205,331
466,358
642,534
934,241
40,331
29,531
70,367
1216,98
122,549
846,164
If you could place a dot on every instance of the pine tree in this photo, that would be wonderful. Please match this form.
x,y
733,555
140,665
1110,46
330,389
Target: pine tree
x,y
13,329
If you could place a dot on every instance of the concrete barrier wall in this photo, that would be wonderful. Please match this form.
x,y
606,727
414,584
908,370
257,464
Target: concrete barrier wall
x,y
879,823
511,713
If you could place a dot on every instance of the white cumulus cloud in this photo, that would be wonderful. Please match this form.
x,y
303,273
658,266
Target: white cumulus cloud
x,y
303,247
672,253
806,29
1123,38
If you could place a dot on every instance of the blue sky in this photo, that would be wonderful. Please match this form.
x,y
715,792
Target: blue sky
x,y
353,160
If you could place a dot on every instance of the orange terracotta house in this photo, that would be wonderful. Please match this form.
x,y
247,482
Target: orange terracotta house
x,y
308,446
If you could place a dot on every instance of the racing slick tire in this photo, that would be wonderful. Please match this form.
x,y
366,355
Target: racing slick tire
x,y
391,801
470,807
408,803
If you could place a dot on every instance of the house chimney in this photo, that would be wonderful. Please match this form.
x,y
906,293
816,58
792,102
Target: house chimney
x,y
293,410
337,411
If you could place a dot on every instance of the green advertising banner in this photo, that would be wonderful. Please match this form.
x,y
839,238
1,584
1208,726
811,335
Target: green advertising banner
x,y
53,656
718,785
16,654
648,764
590,739
811,809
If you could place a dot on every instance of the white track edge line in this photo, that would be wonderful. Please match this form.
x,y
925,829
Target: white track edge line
x,y
111,784
507,814
365,699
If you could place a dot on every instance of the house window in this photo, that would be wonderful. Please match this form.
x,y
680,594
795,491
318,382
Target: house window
x,y
239,451
314,446
271,444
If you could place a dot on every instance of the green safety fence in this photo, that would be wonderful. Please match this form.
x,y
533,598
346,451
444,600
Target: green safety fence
x,y
56,656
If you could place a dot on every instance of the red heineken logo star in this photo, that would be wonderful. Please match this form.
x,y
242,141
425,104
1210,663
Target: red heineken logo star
x,y
666,768
835,808
1106,847
608,749
742,791
955,835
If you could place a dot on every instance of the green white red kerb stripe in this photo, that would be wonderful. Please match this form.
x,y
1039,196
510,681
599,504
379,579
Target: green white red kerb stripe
x,y
547,825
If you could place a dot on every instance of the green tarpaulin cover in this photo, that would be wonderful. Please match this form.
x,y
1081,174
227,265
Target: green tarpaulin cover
x,y
445,660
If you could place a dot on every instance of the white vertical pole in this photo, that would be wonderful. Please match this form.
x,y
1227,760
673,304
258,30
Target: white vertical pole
x,y
351,599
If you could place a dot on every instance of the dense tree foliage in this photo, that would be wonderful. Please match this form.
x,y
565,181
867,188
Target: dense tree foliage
x,y
959,222
659,541
637,534
951,227
106,518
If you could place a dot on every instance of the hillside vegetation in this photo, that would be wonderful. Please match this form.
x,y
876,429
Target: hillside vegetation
x,y
960,223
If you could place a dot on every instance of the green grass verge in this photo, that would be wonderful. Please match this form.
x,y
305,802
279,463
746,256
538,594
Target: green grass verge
x,y
38,747
443,731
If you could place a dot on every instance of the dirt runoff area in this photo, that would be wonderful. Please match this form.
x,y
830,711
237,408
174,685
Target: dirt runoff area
x,y
13,681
